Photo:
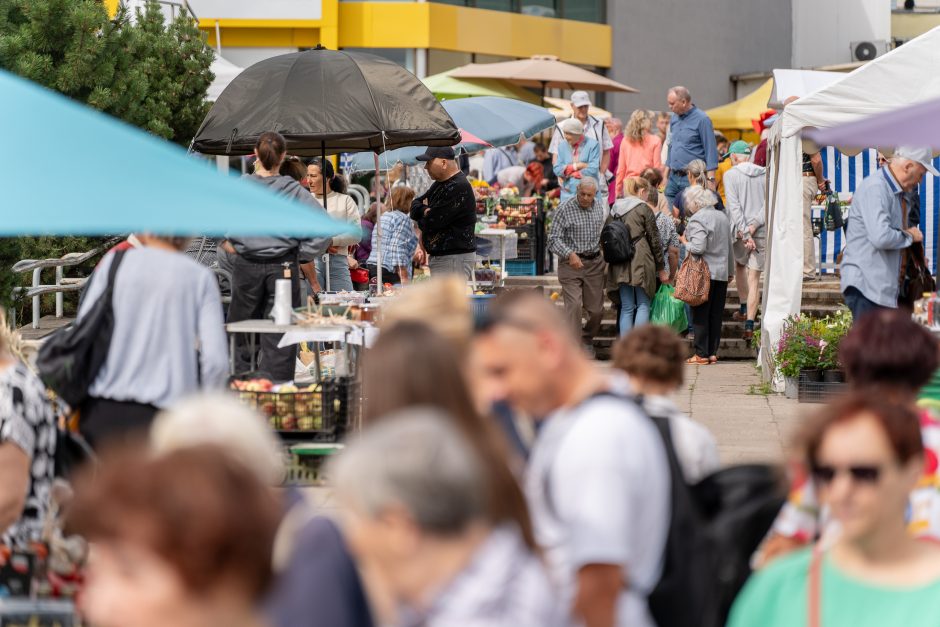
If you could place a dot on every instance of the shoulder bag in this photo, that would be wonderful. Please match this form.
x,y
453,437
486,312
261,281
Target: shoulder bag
x,y
70,359
693,281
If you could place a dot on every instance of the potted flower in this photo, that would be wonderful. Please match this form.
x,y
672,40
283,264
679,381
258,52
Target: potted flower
x,y
833,329
798,353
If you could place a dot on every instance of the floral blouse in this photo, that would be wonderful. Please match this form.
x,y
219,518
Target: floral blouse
x,y
27,422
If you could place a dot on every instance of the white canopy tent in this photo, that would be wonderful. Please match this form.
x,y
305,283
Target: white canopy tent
x,y
225,72
788,83
905,76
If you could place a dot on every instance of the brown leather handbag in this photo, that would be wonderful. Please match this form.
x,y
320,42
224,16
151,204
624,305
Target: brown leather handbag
x,y
693,281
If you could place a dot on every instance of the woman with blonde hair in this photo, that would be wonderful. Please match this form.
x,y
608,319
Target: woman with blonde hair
x,y
399,240
639,150
632,285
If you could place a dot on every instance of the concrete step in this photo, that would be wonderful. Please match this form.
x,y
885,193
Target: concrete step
x,y
730,349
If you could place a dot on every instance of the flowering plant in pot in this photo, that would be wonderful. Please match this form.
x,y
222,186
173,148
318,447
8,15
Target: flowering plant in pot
x,y
798,350
831,331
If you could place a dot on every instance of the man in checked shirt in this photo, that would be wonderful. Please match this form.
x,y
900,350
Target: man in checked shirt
x,y
575,237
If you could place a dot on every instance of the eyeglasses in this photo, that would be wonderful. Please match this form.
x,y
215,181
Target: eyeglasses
x,y
860,474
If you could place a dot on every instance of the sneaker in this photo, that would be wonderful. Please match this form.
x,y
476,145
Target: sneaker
x,y
739,317
809,277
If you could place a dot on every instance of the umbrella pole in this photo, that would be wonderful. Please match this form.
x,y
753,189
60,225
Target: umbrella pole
x,y
328,265
378,228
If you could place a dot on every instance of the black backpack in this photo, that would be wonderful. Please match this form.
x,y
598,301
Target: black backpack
x,y
715,527
69,360
616,244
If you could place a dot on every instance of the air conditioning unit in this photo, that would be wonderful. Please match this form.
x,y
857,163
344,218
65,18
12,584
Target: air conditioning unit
x,y
868,50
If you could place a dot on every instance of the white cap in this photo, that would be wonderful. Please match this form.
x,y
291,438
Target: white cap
x,y
918,154
580,99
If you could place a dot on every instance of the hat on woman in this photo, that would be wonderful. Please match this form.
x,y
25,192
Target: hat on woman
x,y
571,126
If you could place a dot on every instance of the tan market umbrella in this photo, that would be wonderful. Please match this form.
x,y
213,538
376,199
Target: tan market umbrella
x,y
541,71
561,109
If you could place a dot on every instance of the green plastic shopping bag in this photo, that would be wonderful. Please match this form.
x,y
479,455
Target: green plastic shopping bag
x,y
668,310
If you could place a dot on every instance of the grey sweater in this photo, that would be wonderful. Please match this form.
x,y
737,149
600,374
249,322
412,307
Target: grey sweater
x,y
745,184
166,306
269,247
708,234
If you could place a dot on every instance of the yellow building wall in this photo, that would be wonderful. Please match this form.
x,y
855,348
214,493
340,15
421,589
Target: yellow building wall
x,y
480,31
911,25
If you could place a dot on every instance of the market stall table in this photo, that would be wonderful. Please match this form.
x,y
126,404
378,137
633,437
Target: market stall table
x,y
508,247
293,334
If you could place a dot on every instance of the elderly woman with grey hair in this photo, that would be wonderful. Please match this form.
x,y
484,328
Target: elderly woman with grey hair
x,y
417,519
708,235
578,157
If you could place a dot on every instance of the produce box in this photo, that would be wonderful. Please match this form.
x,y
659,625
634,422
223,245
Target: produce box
x,y
322,411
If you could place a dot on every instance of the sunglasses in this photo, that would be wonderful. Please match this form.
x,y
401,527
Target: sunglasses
x,y
860,474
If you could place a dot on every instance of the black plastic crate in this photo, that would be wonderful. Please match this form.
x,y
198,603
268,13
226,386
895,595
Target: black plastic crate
x,y
811,391
322,412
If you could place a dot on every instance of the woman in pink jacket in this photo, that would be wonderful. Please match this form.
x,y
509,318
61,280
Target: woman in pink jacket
x,y
639,149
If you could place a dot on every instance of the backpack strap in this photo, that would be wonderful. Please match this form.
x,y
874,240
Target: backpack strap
x,y
112,271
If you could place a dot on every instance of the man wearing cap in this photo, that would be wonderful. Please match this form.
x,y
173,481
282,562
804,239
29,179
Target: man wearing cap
x,y
594,128
691,137
878,231
745,184
447,215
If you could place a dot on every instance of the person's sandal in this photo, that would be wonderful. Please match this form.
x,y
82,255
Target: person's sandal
x,y
697,361
713,359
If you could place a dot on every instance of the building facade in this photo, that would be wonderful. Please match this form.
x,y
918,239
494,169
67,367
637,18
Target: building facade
x,y
425,37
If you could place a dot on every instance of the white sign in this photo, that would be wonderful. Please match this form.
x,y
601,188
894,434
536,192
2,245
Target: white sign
x,y
258,9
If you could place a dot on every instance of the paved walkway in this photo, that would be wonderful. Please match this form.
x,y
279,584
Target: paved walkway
x,y
749,425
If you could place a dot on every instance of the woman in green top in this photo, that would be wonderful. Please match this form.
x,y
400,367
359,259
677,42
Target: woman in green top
x,y
866,455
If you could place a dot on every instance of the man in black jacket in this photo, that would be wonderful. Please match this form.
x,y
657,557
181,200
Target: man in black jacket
x,y
447,215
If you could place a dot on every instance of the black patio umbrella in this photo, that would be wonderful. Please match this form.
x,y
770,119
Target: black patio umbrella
x,y
325,102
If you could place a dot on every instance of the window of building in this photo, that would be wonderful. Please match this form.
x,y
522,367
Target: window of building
x,y
541,8
583,10
495,5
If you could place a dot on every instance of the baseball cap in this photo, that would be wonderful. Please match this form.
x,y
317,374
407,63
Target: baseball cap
x,y
580,99
739,147
918,154
437,152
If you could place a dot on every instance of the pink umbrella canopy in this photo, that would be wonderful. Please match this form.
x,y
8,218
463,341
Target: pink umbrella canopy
x,y
917,125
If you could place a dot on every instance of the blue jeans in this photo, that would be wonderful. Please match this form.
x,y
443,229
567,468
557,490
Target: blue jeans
x,y
340,280
675,185
634,308
859,304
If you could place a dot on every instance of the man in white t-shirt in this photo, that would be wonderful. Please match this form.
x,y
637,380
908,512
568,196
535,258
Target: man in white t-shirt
x,y
593,128
598,479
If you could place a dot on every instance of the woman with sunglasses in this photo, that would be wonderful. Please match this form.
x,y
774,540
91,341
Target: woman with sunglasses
x,y
865,454
894,355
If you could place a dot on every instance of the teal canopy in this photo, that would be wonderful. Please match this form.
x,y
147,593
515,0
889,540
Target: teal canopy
x,y
67,169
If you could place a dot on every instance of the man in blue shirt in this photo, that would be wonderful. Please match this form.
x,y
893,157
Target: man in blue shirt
x,y
877,232
691,137
496,159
